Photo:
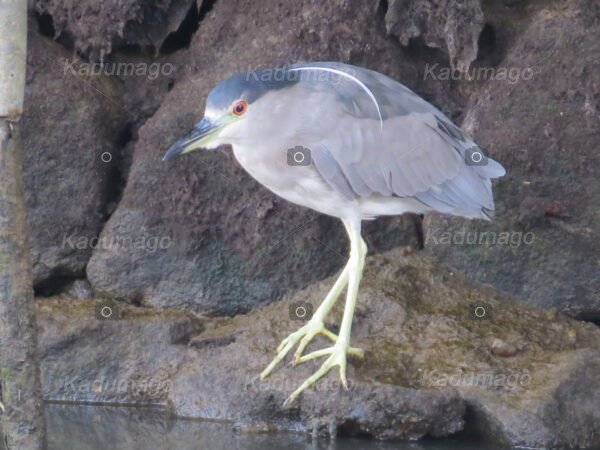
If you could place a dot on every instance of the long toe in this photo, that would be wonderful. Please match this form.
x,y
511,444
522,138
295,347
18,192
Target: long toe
x,y
326,367
304,336
337,357
282,351
358,352
309,330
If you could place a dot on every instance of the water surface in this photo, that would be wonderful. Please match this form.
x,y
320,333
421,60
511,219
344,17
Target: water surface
x,y
87,427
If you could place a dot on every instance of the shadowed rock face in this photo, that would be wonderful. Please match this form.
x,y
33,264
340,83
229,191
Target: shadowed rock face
x,y
515,368
544,128
452,26
67,128
96,28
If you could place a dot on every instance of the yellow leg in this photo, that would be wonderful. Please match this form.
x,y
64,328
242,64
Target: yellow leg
x,y
337,353
313,327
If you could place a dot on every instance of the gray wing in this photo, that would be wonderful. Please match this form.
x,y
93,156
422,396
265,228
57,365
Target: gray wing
x,y
391,142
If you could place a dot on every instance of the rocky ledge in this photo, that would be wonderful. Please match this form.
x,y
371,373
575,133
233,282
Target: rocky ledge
x,y
443,355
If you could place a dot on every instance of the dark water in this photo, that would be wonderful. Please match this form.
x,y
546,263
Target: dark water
x,y
82,427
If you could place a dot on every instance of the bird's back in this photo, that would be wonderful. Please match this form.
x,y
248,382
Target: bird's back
x,y
390,145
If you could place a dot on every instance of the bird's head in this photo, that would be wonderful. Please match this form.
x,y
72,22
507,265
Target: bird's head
x,y
230,115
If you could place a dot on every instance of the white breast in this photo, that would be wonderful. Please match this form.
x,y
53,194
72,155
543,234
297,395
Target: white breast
x,y
301,185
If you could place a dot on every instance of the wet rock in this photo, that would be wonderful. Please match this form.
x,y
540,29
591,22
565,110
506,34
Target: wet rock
x,y
70,129
130,360
543,127
543,422
229,244
126,428
423,344
450,25
427,358
101,27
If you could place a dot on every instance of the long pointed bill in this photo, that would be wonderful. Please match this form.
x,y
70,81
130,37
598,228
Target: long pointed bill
x,y
200,136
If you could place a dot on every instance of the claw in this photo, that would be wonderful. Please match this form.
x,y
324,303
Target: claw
x,y
343,377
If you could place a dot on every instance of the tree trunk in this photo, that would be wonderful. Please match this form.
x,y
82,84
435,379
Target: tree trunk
x,y
20,389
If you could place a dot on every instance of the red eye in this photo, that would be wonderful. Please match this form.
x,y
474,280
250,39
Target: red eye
x,y
240,107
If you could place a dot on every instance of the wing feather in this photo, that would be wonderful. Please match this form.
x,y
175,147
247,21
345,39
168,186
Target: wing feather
x,y
390,142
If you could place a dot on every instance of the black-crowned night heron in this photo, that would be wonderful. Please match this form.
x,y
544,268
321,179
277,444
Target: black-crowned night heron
x,y
351,143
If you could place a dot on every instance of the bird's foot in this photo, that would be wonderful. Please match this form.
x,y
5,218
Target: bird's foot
x,y
304,335
337,357
337,354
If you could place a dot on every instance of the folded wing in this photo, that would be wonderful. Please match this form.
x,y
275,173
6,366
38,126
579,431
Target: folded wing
x,y
391,142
